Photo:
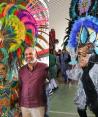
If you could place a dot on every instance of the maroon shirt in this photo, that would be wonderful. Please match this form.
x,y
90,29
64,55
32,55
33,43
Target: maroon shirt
x,y
32,85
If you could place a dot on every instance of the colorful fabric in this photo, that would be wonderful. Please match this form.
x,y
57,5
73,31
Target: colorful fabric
x,y
8,97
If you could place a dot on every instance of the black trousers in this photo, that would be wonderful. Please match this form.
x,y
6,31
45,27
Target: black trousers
x,y
82,112
94,109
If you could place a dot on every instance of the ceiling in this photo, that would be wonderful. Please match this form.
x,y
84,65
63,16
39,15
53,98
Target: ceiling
x,y
58,11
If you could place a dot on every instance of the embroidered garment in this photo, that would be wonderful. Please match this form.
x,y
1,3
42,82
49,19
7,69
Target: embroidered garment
x,y
8,96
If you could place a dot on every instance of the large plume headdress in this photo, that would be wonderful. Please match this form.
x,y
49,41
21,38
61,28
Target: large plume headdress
x,y
22,24
83,26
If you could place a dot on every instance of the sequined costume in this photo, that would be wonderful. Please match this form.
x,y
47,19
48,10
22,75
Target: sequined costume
x,y
80,97
87,93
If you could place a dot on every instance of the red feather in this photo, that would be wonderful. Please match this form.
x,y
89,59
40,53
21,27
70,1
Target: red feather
x,y
16,12
28,40
19,52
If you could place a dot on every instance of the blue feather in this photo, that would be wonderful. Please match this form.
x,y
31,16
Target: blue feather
x,y
84,35
88,22
92,37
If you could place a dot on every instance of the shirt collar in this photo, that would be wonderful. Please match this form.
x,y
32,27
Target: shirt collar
x,y
34,66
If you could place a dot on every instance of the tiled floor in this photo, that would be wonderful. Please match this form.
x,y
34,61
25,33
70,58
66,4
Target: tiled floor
x,y
61,102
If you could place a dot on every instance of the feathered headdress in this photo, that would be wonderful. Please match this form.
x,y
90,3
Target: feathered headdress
x,y
84,28
22,24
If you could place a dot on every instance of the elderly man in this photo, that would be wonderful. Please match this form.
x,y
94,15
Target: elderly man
x,y
32,78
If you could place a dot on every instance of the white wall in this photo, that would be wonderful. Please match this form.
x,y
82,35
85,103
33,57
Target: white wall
x,y
58,11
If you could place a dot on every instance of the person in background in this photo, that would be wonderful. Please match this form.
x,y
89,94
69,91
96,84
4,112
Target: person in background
x,y
32,77
52,70
58,62
64,58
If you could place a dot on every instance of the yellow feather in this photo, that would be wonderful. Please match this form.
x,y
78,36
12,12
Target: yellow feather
x,y
19,29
